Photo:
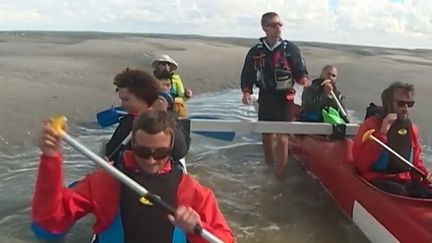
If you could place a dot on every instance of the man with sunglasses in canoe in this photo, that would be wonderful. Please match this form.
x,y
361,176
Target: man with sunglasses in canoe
x,y
273,65
121,214
393,127
318,96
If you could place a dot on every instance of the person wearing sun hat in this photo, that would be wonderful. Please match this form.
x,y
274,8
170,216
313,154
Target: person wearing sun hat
x,y
165,70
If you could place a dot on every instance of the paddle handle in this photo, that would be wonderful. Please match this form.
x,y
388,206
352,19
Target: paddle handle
x,y
133,184
344,113
397,155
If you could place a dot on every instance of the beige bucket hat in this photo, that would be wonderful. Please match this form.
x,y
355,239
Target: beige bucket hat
x,y
165,58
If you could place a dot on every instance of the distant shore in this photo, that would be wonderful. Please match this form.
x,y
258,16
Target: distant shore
x,y
70,73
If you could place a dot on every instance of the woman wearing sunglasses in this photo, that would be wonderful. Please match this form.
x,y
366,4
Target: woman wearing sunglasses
x,y
121,214
393,127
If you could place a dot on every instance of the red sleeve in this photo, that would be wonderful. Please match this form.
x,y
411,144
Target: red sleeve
x,y
417,160
54,207
203,201
367,152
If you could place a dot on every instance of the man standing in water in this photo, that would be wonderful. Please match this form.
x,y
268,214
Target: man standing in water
x,y
273,65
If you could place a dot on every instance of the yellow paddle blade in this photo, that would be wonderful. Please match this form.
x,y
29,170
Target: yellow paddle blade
x,y
145,201
58,123
367,135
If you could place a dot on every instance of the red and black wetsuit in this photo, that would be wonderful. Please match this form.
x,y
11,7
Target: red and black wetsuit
x,y
273,71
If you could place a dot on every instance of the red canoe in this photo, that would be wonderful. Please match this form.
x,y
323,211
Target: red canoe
x,y
382,217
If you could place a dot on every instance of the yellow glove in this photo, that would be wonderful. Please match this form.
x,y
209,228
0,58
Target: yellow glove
x,y
180,108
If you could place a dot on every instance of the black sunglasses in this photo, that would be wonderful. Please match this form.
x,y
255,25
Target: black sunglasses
x,y
146,153
157,153
402,103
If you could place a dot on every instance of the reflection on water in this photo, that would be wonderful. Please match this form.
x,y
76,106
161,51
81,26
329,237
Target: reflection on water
x,y
259,208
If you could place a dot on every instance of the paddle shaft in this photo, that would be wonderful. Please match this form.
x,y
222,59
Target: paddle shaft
x,y
121,146
339,105
398,155
155,199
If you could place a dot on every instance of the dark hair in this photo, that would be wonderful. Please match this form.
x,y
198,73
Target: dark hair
x,y
267,16
387,95
155,121
140,83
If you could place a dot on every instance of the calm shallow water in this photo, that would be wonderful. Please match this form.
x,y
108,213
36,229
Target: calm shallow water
x,y
259,208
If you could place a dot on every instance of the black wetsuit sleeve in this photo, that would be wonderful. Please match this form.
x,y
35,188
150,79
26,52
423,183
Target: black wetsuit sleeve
x,y
182,139
312,100
248,75
298,63
121,132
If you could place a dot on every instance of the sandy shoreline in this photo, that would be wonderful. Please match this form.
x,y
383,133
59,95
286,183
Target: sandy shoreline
x,y
71,74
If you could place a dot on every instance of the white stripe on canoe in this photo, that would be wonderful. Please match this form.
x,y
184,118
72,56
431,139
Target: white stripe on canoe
x,y
370,226
245,127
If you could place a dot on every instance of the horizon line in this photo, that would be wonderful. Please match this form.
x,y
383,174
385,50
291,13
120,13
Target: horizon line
x,y
155,34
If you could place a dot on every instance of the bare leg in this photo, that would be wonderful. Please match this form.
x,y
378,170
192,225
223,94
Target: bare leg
x,y
267,140
282,151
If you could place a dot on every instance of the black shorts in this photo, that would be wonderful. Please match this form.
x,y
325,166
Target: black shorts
x,y
274,106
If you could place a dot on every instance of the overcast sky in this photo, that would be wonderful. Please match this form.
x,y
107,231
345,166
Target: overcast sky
x,y
395,23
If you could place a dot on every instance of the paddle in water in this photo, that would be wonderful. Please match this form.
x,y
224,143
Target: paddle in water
x,y
59,122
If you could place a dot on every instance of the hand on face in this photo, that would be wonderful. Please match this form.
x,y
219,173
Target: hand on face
x,y
186,218
388,122
330,74
328,87
401,103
